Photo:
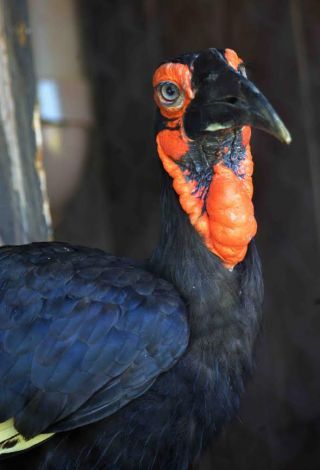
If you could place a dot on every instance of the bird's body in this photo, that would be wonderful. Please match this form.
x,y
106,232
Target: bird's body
x,y
136,366
168,425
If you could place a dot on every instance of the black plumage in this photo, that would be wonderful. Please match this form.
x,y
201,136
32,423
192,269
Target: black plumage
x,y
80,329
170,423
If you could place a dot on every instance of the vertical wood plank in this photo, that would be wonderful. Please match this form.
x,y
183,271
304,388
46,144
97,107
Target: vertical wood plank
x,y
24,208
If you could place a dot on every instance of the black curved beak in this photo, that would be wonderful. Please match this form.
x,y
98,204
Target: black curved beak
x,y
226,99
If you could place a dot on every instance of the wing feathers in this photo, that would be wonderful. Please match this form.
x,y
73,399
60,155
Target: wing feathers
x,y
82,333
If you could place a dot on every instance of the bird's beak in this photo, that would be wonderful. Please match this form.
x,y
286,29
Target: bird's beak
x,y
228,100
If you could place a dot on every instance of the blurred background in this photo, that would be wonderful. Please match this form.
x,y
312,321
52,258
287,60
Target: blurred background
x,y
76,104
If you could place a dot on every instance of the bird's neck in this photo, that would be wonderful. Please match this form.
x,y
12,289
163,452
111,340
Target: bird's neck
x,y
216,297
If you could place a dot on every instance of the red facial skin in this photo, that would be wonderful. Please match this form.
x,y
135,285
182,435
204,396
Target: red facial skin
x,y
228,224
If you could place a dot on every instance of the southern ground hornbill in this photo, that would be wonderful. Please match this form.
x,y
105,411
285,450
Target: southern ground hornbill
x,y
106,363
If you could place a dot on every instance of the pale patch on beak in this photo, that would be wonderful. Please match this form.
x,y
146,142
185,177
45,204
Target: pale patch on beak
x,y
217,127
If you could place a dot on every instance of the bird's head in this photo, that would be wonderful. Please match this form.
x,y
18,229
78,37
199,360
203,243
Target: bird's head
x,y
206,107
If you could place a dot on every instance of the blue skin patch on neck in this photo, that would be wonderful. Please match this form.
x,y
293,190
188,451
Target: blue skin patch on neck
x,y
235,154
197,164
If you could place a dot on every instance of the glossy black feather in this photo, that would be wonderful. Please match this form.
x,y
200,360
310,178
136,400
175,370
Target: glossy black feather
x,y
81,334
169,425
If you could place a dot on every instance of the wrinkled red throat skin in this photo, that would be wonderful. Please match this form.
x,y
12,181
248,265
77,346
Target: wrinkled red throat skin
x,y
227,224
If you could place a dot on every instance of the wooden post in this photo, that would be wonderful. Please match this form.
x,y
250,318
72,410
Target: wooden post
x,y
24,208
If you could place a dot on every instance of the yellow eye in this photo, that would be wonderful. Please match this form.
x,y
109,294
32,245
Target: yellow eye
x,y
169,93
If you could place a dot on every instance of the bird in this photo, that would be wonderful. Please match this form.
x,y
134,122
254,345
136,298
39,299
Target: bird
x,y
111,363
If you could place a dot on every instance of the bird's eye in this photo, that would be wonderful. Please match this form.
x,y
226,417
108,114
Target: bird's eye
x,y
169,93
